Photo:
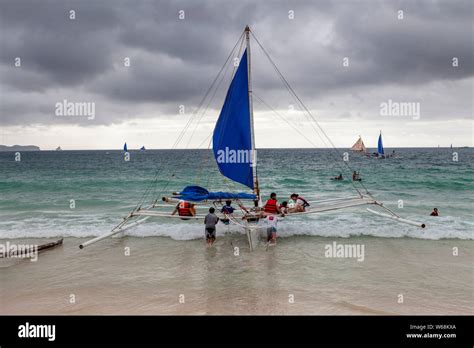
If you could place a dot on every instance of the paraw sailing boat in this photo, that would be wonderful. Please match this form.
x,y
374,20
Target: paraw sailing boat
x,y
233,147
359,146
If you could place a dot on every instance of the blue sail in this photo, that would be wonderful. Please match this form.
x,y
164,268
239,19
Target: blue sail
x,y
380,146
232,138
125,147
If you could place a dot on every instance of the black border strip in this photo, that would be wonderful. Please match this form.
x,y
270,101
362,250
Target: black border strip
x,y
288,330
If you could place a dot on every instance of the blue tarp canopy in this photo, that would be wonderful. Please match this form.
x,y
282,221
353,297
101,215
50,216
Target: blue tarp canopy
x,y
198,193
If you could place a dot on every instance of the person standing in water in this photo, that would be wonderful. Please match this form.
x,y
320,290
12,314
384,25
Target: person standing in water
x,y
271,221
356,176
211,221
434,212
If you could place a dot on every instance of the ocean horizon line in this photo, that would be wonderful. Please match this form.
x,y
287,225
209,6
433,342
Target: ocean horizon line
x,y
260,148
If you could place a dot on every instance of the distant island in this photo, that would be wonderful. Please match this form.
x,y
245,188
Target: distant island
x,y
19,148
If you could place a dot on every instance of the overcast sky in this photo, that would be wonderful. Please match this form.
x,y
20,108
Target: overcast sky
x,y
426,57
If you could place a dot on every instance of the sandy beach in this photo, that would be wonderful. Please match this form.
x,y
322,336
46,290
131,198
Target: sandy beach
x,y
164,276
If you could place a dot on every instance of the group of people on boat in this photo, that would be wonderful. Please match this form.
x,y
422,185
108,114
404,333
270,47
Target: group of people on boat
x,y
380,155
270,212
296,204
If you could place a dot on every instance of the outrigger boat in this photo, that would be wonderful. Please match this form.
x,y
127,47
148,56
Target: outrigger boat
x,y
233,147
380,154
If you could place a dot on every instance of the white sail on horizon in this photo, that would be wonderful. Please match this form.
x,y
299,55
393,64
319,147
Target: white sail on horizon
x,y
359,146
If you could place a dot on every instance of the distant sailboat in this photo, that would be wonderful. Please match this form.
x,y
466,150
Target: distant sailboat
x,y
380,149
125,149
359,146
59,148
380,154
143,148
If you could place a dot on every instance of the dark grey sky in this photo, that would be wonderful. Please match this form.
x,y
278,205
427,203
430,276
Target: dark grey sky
x,y
173,61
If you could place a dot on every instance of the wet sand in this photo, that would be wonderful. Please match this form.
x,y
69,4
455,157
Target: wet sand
x,y
165,276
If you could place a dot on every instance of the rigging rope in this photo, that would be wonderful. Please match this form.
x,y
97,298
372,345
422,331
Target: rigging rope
x,y
215,90
181,135
296,129
300,102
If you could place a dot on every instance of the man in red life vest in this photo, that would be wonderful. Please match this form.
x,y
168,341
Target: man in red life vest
x,y
184,209
271,207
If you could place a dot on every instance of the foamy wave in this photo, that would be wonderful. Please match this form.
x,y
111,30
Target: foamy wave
x,y
347,225
343,225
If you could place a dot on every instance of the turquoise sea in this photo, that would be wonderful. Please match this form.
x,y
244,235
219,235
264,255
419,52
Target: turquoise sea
x,y
36,192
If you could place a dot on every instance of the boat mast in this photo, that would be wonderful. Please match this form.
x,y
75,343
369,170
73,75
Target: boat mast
x,y
256,189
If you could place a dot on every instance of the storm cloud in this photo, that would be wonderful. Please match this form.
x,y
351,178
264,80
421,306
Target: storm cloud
x,y
173,60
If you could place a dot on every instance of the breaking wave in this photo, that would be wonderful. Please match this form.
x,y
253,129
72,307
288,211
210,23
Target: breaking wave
x,y
343,225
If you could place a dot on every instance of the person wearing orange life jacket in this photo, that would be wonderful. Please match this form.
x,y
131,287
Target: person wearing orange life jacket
x,y
184,208
271,207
